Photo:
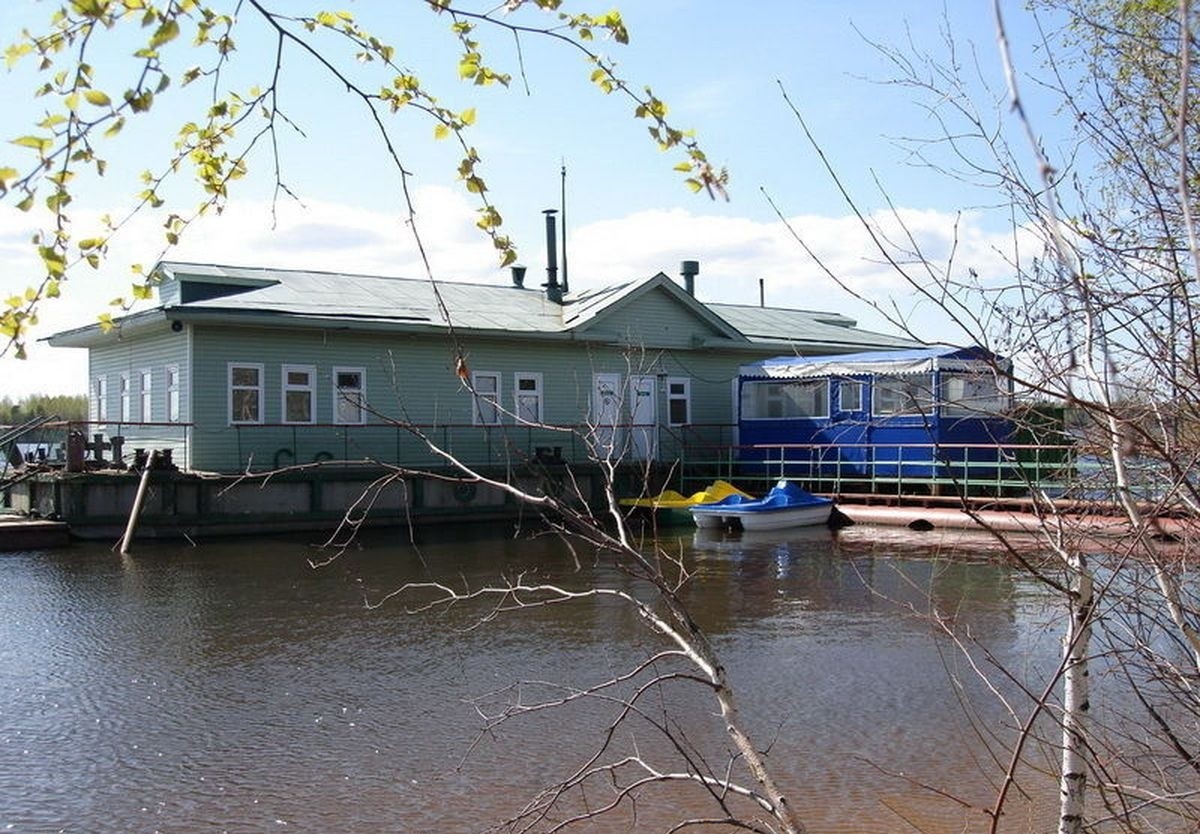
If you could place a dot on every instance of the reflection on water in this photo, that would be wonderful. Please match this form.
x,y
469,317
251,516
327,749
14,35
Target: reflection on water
x,y
231,687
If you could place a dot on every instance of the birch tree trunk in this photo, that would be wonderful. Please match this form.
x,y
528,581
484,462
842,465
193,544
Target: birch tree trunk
x,y
1073,780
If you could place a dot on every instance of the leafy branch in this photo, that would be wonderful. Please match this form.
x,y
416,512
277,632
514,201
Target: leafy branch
x,y
185,41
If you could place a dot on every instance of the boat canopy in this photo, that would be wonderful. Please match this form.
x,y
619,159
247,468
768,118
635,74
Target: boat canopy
x,y
891,362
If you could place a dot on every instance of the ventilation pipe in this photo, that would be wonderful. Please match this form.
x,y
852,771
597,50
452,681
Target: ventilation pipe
x,y
689,270
762,292
553,290
518,275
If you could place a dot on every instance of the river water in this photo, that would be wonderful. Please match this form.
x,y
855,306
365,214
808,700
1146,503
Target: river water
x,y
232,687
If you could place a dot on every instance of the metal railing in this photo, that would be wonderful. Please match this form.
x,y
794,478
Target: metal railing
x,y
78,444
262,446
989,470
917,468
692,455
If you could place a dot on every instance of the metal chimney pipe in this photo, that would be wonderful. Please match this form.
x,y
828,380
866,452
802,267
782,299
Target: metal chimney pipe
x,y
553,290
762,292
689,270
518,275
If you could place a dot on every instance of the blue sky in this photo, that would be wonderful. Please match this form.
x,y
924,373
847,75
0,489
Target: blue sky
x,y
717,64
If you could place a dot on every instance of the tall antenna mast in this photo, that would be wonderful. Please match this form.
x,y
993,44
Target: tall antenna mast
x,y
563,199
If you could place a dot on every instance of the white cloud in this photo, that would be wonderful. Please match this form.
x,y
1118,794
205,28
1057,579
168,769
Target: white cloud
x,y
734,252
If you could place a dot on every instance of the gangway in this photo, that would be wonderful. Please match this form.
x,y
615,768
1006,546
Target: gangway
x,y
12,434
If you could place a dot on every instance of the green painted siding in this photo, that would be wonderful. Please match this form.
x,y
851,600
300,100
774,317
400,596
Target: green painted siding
x,y
653,320
412,379
132,358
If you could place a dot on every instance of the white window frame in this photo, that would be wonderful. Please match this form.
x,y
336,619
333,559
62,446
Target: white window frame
x,y
146,394
686,397
340,400
966,394
902,395
125,387
785,396
287,387
494,398
172,381
258,389
845,385
519,393
100,399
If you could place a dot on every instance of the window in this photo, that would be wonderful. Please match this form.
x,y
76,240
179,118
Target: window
x,y
975,394
245,393
99,403
172,393
910,394
785,400
145,392
299,394
679,401
486,410
851,392
126,402
527,393
349,396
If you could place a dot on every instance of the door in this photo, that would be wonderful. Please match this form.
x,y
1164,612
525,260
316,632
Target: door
x,y
604,437
850,428
643,417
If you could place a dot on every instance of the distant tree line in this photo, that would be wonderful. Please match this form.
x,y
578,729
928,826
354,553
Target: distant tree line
x,y
63,406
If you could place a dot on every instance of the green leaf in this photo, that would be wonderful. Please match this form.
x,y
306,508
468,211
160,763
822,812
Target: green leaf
x,y
38,143
440,131
15,52
98,98
167,32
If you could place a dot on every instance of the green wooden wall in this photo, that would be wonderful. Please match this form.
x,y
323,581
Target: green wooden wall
x,y
411,379
153,352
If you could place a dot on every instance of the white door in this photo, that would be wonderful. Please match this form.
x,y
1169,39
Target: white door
x,y
606,416
643,416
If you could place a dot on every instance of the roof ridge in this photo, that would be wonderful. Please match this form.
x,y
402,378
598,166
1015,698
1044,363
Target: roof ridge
x,y
258,270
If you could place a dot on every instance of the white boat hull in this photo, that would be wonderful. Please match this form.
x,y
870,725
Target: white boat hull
x,y
784,518
774,519
708,521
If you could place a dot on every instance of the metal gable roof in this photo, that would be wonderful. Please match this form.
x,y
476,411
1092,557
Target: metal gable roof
x,y
289,297
609,300
810,327
353,297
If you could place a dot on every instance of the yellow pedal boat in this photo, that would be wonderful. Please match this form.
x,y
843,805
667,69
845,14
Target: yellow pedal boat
x,y
672,506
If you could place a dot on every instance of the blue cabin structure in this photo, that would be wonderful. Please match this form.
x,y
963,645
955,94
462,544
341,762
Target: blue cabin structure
x,y
937,413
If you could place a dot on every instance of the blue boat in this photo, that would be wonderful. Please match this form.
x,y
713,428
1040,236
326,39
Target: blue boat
x,y
786,505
